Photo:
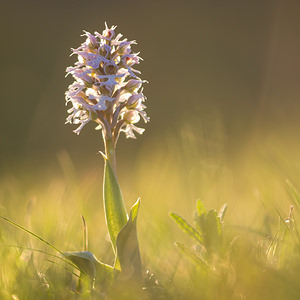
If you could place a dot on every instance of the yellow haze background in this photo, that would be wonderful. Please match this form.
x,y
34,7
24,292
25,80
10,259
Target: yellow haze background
x,y
223,97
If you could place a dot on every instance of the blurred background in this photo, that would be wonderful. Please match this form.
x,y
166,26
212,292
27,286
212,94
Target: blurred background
x,y
223,97
232,64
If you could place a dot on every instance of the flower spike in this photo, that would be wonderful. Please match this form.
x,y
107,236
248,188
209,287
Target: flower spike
x,y
106,89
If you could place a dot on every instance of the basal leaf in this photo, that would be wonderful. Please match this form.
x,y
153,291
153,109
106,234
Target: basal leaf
x,y
187,228
128,258
115,211
91,266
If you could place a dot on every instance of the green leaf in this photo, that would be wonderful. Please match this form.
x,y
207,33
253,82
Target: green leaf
x,y
187,228
91,266
114,207
128,258
213,231
200,208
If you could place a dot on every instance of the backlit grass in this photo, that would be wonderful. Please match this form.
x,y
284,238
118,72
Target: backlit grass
x,y
260,250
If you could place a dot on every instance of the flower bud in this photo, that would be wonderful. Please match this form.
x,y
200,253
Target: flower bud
x,y
133,85
124,48
134,100
131,116
109,33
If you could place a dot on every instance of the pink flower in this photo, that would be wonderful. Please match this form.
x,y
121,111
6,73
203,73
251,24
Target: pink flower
x,y
100,92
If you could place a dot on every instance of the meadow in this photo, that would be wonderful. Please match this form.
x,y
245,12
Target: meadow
x,y
217,170
258,256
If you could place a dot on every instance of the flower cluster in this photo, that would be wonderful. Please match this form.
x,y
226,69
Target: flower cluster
x,y
106,88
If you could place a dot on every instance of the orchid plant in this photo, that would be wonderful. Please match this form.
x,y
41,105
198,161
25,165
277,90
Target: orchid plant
x,y
108,92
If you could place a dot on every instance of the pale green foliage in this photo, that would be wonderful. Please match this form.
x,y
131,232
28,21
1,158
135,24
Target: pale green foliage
x,y
127,267
187,228
208,234
128,258
222,260
115,211
92,267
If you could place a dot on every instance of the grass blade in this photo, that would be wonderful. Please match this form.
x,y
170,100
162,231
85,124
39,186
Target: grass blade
x,y
33,234
293,192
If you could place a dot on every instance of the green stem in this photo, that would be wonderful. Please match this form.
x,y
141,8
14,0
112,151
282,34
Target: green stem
x,y
110,152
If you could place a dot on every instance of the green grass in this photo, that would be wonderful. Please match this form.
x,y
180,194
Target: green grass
x,y
259,256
